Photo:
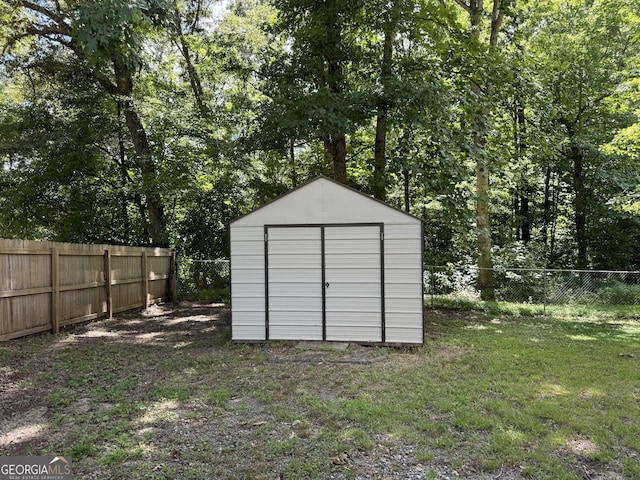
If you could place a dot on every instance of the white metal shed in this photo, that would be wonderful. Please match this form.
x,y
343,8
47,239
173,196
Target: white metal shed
x,y
326,262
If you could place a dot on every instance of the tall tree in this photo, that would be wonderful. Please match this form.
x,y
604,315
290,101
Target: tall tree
x,y
67,172
389,32
482,88
583,52
184,22
104,38
313,79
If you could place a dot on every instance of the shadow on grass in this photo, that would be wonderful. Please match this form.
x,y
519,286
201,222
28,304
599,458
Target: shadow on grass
x,y
579,328
45,380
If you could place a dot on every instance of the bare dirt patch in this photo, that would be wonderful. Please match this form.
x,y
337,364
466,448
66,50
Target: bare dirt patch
x,y
582,447
23,427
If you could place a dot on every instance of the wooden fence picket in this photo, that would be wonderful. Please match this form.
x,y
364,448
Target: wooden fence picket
x,y
48,285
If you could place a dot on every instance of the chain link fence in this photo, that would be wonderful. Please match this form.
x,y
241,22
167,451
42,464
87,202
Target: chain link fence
x,y
203,279
210,279
536,286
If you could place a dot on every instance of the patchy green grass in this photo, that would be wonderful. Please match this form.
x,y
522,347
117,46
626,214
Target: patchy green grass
x,y
593,311
218,295
490,395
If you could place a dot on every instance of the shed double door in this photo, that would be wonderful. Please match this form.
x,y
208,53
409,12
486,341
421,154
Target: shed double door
x,y
325,283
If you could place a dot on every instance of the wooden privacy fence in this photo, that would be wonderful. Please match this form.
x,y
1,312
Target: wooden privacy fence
x,y
46,285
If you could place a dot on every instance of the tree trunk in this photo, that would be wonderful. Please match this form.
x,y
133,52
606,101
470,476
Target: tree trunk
x,y
525,215
339,152
580,205
580,193
379,180
485,280
521,202
554,221
546,206
516,213
485,283
522,214
335,83
328,155
155,207
192,73
335,153
575,154
194,79
124,177
292,163
407,197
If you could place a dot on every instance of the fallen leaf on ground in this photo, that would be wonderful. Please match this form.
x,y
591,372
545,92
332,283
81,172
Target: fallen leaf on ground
x,y
341,458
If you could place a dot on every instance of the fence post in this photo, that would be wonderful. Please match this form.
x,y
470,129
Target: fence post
x,y
145,280
107,283
173,277
55,291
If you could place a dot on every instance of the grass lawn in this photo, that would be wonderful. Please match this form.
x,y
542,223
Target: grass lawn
x,y
165,394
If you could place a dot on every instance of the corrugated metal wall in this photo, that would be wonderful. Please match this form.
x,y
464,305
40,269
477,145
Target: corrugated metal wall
x,y
403,282
354,292
325,233
295,283
247,282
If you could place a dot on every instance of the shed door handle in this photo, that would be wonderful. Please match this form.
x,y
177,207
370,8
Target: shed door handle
x,y
326,284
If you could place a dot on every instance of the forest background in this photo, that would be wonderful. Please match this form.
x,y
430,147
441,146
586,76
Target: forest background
x,y
511,127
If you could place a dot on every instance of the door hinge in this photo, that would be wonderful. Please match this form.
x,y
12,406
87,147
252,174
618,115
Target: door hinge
x,y
266,237
382,236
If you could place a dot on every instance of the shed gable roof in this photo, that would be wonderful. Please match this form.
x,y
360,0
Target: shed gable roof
x,y
323,201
